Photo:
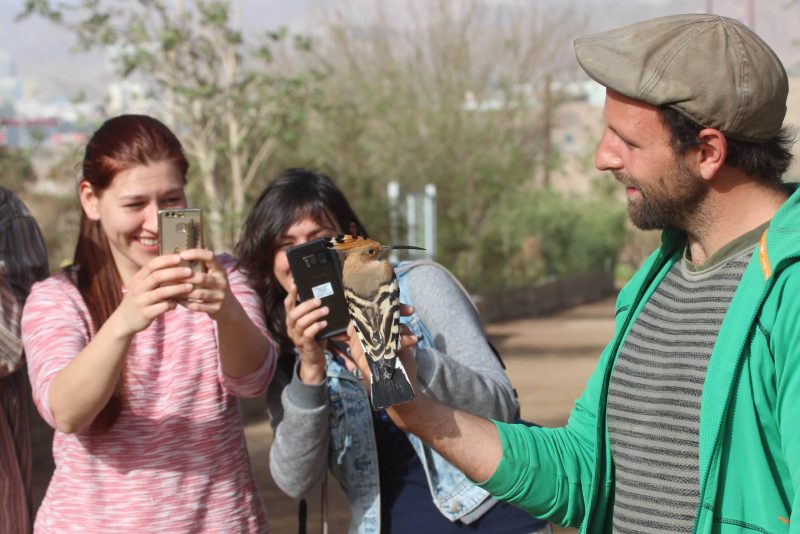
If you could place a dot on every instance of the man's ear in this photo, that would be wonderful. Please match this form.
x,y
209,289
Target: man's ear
x,y
89,200
711,153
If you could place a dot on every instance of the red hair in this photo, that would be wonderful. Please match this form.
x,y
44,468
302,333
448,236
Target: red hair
x,y
121,143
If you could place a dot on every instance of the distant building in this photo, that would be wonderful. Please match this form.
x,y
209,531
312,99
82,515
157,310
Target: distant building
x,y
128,96
10,84
26,120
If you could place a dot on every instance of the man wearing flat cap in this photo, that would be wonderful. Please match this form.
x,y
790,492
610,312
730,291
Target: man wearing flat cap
x,y
691,420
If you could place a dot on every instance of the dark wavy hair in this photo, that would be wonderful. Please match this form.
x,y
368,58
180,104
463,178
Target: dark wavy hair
x,y
767,161
121,143
295,194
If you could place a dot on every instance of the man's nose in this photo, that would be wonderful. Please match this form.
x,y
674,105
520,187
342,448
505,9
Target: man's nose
x,y
606,158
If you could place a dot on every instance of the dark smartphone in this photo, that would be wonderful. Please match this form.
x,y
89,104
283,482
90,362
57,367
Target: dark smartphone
x,y
317,273
181,229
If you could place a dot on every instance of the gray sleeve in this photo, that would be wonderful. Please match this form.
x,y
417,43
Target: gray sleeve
x,y
298,414
462,370
24,261
22,247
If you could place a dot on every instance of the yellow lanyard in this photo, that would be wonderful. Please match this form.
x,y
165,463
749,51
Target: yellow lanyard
x,y
762,256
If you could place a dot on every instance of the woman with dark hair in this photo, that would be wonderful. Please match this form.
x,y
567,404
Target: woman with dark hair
x,y
135,359
318,407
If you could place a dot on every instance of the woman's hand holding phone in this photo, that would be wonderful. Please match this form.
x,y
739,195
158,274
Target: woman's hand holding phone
x,y
153,290
210,292
304,321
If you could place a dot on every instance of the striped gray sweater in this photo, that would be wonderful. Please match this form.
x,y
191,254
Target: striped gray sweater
x,y
655,391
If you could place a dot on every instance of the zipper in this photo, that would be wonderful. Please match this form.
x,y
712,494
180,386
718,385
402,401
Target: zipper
x,y
714,451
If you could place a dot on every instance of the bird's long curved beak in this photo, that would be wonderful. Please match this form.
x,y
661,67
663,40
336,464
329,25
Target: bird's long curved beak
x,y
400,247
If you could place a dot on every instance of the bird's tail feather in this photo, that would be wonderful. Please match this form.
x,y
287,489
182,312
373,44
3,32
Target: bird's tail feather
x,y
393,390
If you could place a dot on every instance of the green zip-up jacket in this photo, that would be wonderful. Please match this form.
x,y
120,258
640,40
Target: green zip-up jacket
x,y
750,408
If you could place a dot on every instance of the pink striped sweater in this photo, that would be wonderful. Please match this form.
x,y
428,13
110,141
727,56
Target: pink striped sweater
x,y
176,459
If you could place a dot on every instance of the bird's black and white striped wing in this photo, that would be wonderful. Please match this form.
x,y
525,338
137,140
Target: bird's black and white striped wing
x,y
376,318
377,323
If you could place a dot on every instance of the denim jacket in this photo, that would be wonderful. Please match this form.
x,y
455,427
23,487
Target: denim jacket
x,y
353,454
455,368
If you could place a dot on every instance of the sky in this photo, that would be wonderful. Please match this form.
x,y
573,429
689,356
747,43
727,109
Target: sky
x,y
42,51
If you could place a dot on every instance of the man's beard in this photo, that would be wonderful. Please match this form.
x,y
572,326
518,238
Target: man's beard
x,y
671,203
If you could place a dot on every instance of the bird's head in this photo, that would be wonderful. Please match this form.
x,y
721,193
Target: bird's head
x,y
364,248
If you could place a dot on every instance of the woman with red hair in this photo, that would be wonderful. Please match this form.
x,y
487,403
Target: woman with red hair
x,y
135,359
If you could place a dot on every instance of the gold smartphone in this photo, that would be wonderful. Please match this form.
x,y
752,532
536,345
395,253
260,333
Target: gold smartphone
x,y
181,229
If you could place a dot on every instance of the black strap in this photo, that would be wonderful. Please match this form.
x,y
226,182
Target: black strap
x,y
302,516
496,354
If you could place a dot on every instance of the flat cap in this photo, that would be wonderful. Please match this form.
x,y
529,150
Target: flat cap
x,y
713,69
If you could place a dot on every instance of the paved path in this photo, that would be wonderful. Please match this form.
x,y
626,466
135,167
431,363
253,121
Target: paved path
x,y
548,360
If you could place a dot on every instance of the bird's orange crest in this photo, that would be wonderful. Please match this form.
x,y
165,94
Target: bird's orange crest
x,y
345,242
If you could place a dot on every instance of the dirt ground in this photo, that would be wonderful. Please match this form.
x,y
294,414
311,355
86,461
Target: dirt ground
x,y
548,360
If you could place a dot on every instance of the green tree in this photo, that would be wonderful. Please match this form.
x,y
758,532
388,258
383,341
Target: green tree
x,y
441,92
16,171
230,104
543,233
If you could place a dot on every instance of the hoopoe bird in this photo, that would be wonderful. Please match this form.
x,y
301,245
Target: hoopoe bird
x,y
373,300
